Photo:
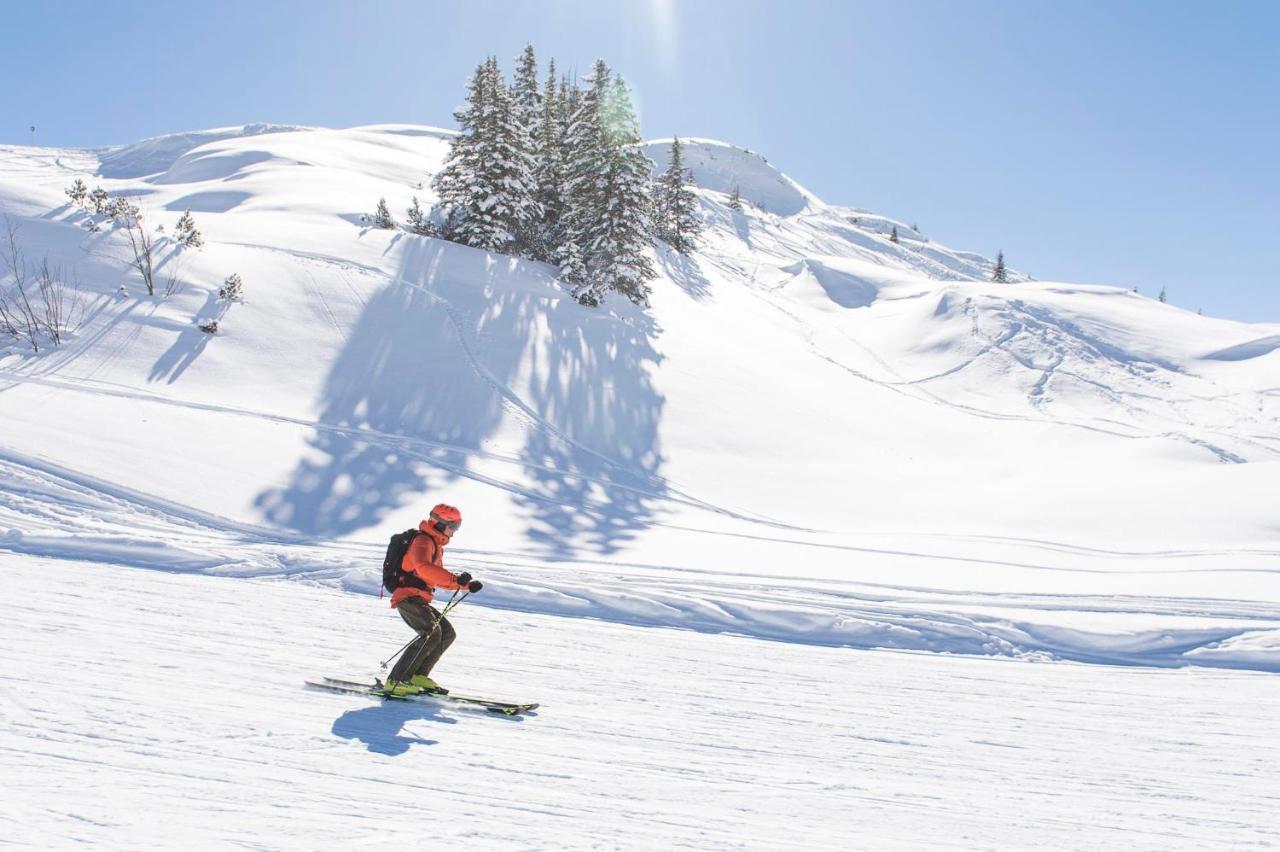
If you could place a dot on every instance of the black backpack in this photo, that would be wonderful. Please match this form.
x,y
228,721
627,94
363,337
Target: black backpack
x,y
393,574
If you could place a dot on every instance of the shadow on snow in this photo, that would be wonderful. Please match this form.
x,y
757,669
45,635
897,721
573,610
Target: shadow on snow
x,y
459,344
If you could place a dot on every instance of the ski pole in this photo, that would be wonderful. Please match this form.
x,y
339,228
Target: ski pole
x,y
454,600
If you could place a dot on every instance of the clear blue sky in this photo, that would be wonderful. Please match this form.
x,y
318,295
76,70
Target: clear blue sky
x,y
1131,143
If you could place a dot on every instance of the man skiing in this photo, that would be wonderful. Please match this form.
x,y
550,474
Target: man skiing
x,y
419,574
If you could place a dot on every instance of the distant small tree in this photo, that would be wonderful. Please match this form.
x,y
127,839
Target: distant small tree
x,y
1163,297
186,233
232,289
893,235
1000,274
119,210
77,192
382,216
735,199
99,200
417,220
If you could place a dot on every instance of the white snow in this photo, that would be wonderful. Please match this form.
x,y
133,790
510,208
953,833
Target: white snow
x,y
815,443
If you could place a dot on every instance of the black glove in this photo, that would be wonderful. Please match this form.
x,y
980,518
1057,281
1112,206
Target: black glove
x,y
474,586
464,578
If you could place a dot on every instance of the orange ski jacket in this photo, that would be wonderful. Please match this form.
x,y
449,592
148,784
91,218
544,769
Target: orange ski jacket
x,y
425,560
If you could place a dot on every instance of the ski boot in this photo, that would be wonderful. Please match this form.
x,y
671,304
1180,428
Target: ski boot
x,y
426,684
399,689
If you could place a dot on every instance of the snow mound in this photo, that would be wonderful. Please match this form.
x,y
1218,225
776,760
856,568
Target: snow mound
x,y
817,282
155,155
720,167
1246,351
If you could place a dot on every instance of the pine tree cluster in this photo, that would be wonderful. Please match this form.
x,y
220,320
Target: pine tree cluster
x,y
556,173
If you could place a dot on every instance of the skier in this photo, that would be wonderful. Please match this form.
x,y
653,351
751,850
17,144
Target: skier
x,y
420,573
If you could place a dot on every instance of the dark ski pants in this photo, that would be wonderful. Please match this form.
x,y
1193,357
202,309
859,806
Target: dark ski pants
x,y
421,656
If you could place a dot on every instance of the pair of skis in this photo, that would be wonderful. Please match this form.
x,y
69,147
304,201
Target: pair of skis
x,y
376,690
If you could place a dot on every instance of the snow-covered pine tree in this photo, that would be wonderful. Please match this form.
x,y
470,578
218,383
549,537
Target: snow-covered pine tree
x,y
676,206
486,188
382,216
417,220
1000,275
232,289
454,184
573,271
77,192
186,232
893,235
99,200
735,199
524,92
549,170
608,190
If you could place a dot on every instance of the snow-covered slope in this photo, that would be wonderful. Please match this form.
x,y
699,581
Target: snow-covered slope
x,y
814,433
187,729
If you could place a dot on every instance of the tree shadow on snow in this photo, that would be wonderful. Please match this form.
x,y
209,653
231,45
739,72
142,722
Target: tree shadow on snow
x,y
460,342
379,726
188,346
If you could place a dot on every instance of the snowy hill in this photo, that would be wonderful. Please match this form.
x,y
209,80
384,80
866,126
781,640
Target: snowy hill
x,y
805,402
813,435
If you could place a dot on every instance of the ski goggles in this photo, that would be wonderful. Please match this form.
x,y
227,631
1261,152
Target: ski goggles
x,y
446,527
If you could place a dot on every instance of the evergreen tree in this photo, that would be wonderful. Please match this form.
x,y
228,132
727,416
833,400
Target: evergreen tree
x,y
232,289
549,175
99,200
608,189
186,232
382,216
893,236
486,188
525,94
735,199
676,206
1000,275
417,220
77,192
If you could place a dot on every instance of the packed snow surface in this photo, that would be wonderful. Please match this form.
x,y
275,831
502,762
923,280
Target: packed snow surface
x,y
813,435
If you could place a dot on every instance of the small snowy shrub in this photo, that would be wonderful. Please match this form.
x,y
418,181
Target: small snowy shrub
x,y
99,200
208,326
78,192
232,289
382,216
186,233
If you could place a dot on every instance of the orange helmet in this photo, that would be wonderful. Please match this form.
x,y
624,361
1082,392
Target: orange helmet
x,y
446,518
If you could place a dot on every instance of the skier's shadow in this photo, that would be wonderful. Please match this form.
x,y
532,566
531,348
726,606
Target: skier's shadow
x,y
379,727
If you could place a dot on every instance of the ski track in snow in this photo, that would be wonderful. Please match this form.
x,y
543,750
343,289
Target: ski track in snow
x,y
187,726
71,516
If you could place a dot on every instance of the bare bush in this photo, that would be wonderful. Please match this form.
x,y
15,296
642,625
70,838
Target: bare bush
x,y
40,302
141,242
